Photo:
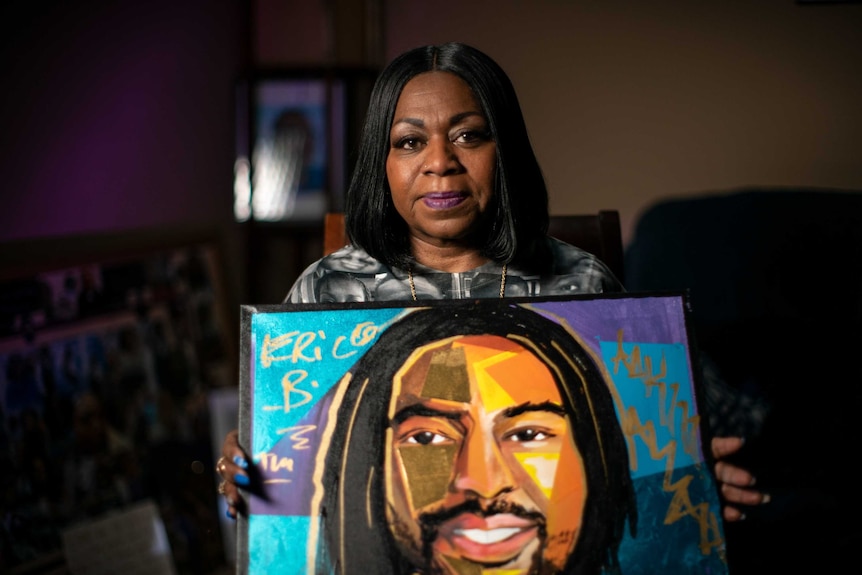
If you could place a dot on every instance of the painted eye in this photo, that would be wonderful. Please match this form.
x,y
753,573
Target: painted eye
x,y
427,438
529,434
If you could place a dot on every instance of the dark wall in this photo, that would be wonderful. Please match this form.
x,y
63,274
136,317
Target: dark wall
x,y
118,115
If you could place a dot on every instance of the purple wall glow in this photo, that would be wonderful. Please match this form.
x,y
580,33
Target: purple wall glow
x,y
121,117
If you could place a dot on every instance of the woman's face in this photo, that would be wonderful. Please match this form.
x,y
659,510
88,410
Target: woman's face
x,y
441,160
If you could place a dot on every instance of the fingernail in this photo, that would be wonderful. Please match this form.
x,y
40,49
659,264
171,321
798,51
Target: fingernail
x,y
228,515
766,499
240,461
240,479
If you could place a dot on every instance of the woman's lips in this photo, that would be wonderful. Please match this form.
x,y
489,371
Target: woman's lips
x,y
443,200
495,539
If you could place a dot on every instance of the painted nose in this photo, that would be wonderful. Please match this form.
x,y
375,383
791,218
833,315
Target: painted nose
x,y
440,157
481,469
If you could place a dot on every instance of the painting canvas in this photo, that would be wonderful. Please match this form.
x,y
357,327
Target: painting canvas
x,y
552,435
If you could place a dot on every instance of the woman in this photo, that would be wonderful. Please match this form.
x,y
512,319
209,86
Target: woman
x,y
461,208
447,200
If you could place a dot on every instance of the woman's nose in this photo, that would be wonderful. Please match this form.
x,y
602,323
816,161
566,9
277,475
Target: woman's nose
x,y
481,469
441,157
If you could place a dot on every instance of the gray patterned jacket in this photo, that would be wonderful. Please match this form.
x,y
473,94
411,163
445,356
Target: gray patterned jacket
x,y
351,275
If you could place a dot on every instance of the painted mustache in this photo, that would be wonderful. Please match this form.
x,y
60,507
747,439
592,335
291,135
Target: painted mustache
x,y
430,522
474,506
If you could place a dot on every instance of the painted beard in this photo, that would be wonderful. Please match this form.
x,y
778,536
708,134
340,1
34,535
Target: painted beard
x,y
433,522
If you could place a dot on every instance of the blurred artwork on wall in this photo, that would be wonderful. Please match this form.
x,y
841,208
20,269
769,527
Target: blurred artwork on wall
x,y
105,368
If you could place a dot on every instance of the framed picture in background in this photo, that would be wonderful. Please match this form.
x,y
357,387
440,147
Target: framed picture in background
x,y
294,129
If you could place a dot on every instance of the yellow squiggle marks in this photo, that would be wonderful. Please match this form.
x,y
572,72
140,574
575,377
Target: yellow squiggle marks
x,y
681,505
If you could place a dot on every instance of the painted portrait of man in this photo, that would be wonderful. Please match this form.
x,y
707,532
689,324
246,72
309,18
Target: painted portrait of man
x,y
469,444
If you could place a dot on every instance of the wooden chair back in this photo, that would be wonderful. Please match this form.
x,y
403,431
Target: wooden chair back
x,y
599,234
334,232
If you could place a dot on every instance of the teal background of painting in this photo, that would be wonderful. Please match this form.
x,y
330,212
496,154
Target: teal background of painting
x,y
321,375
671,545
634,392
282,543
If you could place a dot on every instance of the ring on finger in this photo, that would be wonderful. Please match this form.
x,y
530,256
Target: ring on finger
x,y
221,464
221,487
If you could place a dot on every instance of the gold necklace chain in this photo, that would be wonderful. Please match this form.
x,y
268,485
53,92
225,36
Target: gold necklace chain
x,y
413,286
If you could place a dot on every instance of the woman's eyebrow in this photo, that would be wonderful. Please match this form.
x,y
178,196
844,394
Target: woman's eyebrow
x,y
526,407
411,121
420,410
463,115
419,123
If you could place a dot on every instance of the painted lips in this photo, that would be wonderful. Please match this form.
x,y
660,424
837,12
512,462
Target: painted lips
x,y
443,200
489,536
495,539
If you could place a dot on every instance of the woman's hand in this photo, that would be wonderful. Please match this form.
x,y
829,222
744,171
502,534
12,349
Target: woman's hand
x,y
736,483
232,466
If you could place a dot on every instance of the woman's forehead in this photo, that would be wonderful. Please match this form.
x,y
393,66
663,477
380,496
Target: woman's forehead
x,y
429,90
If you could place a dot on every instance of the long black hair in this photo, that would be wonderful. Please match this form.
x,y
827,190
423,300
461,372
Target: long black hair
x,y
355,536
518,221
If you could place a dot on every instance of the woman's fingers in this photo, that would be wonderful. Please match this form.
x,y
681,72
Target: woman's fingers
x,y
724,446
233,463
732,514
233,500
728,473
231,467
748,497
736,483
740,496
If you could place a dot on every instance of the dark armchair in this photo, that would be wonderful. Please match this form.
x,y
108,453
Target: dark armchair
x,y
775,277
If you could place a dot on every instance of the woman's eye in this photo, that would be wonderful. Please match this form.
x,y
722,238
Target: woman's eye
x,y
525,435
426,438
407,143
471,136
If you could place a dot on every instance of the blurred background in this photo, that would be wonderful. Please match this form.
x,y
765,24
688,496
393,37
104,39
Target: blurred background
x,y
126,132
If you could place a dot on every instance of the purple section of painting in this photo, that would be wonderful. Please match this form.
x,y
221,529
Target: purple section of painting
x,y
292,498
601,319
